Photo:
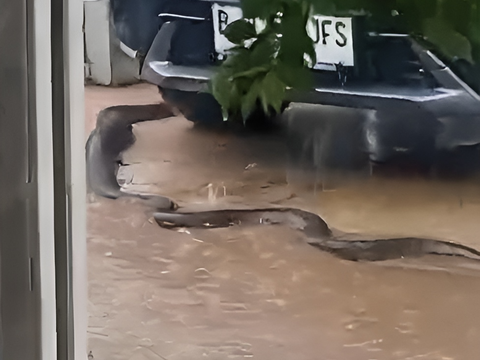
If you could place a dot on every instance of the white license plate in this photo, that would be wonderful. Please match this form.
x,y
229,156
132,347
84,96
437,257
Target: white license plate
x,y
333,36
222,16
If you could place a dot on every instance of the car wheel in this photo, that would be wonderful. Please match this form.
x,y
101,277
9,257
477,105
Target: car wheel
x,y
198,107
403,138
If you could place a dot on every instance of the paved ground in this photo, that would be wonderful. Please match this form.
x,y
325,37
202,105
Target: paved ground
x,y
261,292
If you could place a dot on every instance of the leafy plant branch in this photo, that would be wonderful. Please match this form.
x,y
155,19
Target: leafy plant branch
x,y
273,51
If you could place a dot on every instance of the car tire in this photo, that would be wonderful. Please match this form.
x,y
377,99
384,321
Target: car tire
x,y
198,107
402,138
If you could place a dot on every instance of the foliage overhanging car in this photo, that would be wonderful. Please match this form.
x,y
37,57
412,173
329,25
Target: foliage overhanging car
x,y
420,99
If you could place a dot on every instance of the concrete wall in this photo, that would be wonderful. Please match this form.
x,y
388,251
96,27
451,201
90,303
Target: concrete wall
x,y
106,62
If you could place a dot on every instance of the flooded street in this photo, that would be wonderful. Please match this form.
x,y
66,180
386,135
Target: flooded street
x,y
263,292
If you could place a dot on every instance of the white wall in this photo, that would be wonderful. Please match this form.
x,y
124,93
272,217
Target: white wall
x,y
107,63
97,41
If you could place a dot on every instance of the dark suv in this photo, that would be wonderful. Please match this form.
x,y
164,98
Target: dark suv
x,y
419,106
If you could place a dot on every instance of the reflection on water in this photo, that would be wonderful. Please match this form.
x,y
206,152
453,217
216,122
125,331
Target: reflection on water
x,y
261,292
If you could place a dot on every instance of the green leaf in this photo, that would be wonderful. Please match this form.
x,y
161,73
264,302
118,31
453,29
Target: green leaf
x,y
294,41
450,42
264,63
250,99
261,9
272,92
239,58
324,7
457,14
263,50
239,31
220,89
298,77
251,73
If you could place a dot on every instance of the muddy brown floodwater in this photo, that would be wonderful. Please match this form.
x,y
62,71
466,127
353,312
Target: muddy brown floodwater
x,y
261,292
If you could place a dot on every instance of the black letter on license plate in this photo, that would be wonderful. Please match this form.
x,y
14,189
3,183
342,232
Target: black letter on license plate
x,y
324,30
222,21
339,25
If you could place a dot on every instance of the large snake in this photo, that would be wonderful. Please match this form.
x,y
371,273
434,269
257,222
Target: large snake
x,y
113,135
317,233
106,143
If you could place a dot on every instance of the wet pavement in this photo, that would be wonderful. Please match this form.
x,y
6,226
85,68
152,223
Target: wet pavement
x,y
262,292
